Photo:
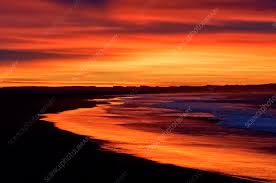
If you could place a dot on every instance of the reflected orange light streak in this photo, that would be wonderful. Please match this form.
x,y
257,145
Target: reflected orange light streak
x,y
233,155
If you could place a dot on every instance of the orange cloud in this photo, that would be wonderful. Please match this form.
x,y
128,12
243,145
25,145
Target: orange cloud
x,y
157,42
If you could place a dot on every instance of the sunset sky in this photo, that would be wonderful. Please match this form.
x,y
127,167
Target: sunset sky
x,y
137,42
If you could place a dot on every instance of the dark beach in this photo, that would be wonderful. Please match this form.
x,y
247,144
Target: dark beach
x,y
36,152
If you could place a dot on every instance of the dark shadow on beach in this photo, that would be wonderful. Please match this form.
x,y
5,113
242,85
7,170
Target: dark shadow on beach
x,y
31,156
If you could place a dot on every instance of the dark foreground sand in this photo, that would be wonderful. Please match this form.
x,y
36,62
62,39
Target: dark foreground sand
x,y
31,156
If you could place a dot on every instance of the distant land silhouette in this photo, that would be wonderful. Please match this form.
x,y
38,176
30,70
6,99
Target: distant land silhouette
x,y
82,90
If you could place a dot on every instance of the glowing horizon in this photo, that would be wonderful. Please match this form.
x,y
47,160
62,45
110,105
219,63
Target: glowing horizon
x,y
107,43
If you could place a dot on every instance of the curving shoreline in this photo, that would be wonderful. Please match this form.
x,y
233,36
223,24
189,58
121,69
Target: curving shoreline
x,y
38,151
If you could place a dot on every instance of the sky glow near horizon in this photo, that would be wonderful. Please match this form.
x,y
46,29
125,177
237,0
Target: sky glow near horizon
x,y
134,42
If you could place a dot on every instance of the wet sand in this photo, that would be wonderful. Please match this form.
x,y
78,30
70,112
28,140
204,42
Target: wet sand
x,y
40,149
137,130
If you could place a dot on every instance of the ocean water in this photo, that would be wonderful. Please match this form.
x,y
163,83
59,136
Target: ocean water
x,y
230,111
199,130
